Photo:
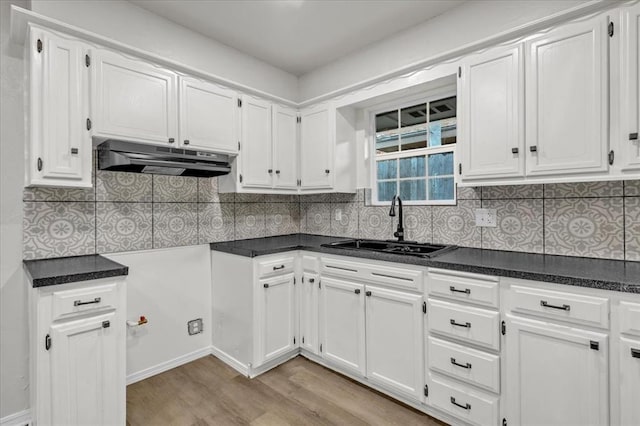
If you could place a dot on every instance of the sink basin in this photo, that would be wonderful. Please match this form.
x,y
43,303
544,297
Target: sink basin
x,y
396,247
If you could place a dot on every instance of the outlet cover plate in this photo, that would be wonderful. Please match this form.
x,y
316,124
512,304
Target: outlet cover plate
x,y
194,326
486,218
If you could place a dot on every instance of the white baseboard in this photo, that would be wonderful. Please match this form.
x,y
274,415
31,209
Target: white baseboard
x,y
230,361
167,365
21,418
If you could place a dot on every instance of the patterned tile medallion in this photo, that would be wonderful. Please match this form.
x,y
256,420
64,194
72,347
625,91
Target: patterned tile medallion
x,y
632,188
175,224
632,228
347,226
318,218
456,224
175,189
417,224
583,189
208,190
250,220
591,227
520,226
59,194
469,192
282,218
123,227
375,223
56,229
216,222
120,186
512,191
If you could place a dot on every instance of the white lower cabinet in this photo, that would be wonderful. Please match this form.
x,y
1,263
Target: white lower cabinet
x,y
629,379
308,303
394,340
556,375
277,309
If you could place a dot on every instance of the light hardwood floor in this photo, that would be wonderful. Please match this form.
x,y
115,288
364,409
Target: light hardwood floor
x,y
299,392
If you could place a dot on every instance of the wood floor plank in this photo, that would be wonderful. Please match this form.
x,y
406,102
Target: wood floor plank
x,y
208,392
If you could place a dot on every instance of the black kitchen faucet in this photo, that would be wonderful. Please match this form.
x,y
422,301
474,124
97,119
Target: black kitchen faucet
x,y
400,232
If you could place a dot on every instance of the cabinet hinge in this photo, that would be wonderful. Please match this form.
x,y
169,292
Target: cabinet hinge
x,y
504,422
459,168
238,146
299,119
303,279
240,177
594,345
610,29
426,390
87,60
320,347
47,342
303,339
503,328
294,280
39,164
39,45
611,157
319,282
459,72
424,307
239,103
294,340
88,124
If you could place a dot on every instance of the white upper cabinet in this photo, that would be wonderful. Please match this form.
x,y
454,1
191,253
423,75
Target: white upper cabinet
x,y
492,103
208,116
132,99
60,146
630,88
255,139
276,299
317,140
285,147
567,99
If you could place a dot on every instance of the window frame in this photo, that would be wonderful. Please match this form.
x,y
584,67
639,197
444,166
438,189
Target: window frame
x,y
426,97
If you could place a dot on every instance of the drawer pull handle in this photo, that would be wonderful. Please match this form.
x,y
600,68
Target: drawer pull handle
x,y
341,269
457,324
90,302
544,303
455,290
311,280
375,274
275,268
635,353
467,365
466,406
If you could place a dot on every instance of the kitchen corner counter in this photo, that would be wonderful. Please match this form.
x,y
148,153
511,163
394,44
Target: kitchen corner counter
x,y
604,274
63,270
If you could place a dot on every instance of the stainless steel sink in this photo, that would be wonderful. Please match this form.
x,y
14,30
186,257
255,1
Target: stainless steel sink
x,y
406,247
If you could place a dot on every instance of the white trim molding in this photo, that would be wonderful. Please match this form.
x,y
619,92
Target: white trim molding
x,y
167,365
21,418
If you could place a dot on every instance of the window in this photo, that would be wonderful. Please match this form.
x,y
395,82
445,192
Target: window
x,y
414,148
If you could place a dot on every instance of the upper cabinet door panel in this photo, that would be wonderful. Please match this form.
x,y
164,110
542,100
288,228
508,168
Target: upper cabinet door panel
x,y
285,147
133,99
492,98
630,88
316,144
208,116
567,99
255,152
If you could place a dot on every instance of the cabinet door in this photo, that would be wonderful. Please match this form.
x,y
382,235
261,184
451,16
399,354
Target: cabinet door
x,y
277,316
317,137
87,376
309,312
255,152
342,324
492,128
567,99
208,116
132,99
629,378
60,144
630,89
285,147
556,375
394,340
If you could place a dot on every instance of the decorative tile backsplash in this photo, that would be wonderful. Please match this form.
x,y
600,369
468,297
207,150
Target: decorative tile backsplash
x,y
128,212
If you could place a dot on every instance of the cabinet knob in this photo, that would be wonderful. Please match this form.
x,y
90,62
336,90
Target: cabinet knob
x,y
357,291
186,141
277,172
265,285
171,140
368,293
311,280
514,150
74,150
326,171
633,136
270,171
533,148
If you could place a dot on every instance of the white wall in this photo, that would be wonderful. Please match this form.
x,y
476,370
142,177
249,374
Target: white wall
x,y
130,24
14,368
465,24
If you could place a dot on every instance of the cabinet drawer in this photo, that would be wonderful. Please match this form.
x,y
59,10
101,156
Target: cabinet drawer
x,y
342,268
469,365
564,306
395,277
468,287
630,318
311,264
79,300
474,325
473,406
276,266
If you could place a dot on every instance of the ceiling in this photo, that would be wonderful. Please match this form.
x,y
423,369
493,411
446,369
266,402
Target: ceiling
x,y
297,35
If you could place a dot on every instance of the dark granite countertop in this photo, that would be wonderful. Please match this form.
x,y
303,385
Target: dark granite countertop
x,y
63,270
602,274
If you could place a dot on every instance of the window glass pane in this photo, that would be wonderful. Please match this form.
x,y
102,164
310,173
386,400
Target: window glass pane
x,y
413,127
441,164
442,121
413,189
386,190
412,167
387,132
441,188
387,169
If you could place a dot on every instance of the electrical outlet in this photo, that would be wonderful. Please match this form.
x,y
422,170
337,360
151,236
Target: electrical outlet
x,y
194,326
486,217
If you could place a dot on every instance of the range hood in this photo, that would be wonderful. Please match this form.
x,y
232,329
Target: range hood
x,y
134,157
